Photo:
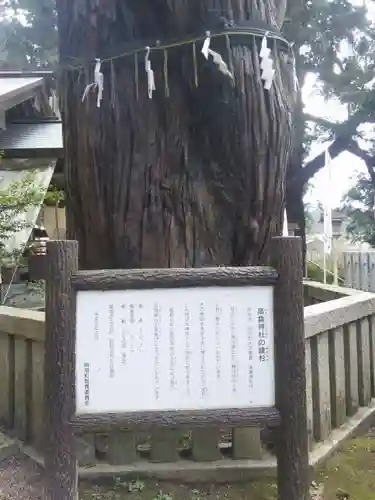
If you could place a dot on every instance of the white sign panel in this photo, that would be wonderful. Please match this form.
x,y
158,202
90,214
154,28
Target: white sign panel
x,y
174,349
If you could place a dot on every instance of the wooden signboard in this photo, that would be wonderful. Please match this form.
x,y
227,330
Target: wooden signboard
x,y
197,349
214,346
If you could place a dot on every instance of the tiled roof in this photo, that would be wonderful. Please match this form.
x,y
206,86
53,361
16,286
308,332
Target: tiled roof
x,y
11,86
30,140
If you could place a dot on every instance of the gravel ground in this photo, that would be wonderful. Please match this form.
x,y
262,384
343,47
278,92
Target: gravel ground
x,y
20,479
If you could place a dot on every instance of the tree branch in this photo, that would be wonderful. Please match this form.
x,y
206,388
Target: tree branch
x,y
306,173
366,157
344,133
322,122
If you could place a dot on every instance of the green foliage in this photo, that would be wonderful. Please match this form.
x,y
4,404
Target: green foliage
x,y
359,205
54,197
337,40
163,496
316,273
15,199
335,43
28,35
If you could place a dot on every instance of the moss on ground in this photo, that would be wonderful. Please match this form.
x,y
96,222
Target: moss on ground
x,y
167,491
349,475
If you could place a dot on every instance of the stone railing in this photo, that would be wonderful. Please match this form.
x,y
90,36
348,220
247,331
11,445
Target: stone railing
x,y
340,354
316,293
340,369
21,373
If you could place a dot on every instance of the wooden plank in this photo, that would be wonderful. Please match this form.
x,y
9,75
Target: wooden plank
x,y
309,398
356,271
149,420
364,271
205,445
372,271
348,269
337,376
321,386
351,368
164,444
247,443
6,382
335,313
28,324
21,386
37,425
335,259
145,279
364,364
372,353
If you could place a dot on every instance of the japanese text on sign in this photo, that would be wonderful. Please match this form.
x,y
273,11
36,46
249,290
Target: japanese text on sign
x,y
191,348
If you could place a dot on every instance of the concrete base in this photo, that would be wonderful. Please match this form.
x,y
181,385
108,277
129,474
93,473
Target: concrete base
x,y
226,471
358,424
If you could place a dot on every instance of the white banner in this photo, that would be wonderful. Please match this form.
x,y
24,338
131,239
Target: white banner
x,y
285,224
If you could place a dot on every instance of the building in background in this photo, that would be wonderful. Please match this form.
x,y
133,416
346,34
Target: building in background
x,y
30,140
339,224
340,244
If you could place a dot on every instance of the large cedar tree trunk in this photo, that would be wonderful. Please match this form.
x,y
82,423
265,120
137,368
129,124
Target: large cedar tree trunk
x,y
296,190
190,179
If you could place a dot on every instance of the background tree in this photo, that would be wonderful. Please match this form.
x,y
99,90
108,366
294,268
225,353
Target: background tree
x,y
333,41
28,34
15,199
330,46
359,204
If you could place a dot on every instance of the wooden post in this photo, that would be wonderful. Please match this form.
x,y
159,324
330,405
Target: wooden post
x,y
59,371
292,440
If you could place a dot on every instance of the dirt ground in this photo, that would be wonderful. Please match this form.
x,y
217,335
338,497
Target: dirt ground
x,y
350,475
20,479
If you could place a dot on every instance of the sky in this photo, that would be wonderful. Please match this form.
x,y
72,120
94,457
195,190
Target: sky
x,y
345,166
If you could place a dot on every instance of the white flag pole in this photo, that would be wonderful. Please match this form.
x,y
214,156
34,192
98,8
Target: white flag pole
x,y
285,224
327,220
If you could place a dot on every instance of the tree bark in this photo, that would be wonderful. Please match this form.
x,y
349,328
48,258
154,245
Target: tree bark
x,y
196,176
295,191
296,214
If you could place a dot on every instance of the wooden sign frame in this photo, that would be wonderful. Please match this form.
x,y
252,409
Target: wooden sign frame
x,y
63,280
